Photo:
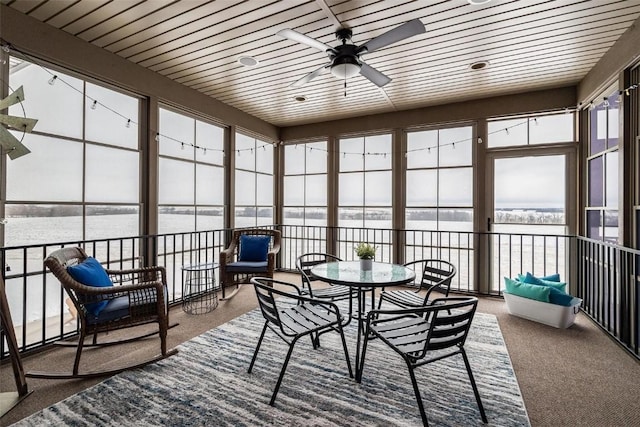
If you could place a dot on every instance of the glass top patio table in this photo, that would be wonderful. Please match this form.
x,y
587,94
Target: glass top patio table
x,y
349,273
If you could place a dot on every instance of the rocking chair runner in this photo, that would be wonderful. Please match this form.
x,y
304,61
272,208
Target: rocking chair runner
x,y
138,297
251,253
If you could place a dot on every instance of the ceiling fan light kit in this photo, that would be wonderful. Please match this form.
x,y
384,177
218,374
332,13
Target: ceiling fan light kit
x,y
345,59
348,67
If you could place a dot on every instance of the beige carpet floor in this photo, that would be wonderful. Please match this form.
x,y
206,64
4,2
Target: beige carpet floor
x,y
572,377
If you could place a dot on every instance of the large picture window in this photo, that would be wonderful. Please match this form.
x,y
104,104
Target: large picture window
x,y
254,182
602,168
440,179
81,179
365,182
305,184
191,177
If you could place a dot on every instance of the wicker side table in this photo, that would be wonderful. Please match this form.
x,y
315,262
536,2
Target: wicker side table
x,y
199,288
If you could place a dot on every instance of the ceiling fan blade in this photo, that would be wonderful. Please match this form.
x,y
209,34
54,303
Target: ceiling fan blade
x,y
374,75
404,31
312,75
301,38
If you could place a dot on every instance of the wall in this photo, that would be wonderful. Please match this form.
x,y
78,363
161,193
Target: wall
x,y
551,99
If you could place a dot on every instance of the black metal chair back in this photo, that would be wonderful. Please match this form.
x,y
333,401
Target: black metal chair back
x,y
433,275
304,264
437,275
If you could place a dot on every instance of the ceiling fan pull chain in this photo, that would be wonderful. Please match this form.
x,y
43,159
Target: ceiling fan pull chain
x,y
345,87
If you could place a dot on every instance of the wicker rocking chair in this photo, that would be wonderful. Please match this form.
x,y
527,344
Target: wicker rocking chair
x,y
136,297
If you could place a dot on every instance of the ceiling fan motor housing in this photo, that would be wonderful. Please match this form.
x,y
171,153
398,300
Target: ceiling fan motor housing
x,y
344,34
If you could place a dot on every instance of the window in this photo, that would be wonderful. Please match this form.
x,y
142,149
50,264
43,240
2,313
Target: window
x,y
81,179
602,169
305,184
535,130
254,182
191,177
365,182
440,180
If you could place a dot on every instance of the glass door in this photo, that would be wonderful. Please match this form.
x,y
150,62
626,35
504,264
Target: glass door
x,y
528,214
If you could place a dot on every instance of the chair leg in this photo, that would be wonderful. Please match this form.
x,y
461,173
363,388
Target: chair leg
x,y
350,312
255,353
76,363
315,340
163,338
282,371
346,352
360,368
416,390
473,384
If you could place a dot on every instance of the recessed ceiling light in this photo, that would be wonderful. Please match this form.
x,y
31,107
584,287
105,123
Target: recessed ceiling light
x,y
248,61
477,2
479,65
300,98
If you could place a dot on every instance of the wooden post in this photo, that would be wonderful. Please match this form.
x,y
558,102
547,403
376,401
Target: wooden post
x,y
10,399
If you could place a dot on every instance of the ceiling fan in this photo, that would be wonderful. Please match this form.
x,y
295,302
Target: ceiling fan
x,y
345,59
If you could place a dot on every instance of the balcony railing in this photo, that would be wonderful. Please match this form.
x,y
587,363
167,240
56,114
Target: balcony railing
x,y
603,275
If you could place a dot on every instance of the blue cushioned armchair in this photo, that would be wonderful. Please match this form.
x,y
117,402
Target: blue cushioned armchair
x,y
251,252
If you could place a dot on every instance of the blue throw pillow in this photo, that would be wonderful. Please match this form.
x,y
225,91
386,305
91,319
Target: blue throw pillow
x,y
535,292
254,248
543,281
560,298
91,273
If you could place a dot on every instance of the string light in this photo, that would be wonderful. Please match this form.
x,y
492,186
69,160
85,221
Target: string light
x,y
606,103
54,78
6,48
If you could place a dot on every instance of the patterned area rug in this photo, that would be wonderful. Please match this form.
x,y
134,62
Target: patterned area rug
x,y
207,383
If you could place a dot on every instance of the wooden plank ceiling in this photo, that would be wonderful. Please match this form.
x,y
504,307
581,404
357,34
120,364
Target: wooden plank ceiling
x,y
530,44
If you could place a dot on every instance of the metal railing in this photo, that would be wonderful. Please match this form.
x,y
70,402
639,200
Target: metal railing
x,y
609,283
603,275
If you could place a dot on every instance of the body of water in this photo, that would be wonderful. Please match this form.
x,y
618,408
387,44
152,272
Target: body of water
x,y
516,255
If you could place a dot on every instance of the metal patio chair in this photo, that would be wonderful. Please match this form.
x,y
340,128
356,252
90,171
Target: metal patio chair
x,y
292,316
434,274
305,262
423,335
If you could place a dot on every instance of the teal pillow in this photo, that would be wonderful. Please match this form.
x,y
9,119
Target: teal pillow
x,y
535,292
543,281
558,297
551,277
91,273
254,248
